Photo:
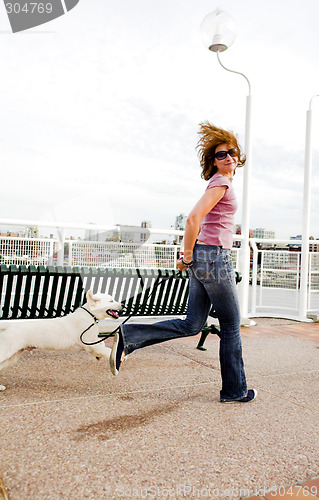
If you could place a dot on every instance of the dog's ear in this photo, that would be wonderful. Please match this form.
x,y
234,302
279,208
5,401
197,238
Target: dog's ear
x,y
92,301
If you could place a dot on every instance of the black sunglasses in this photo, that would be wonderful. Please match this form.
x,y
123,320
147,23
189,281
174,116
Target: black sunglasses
x,y
221,155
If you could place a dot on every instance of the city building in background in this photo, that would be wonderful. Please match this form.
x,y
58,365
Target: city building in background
x,y
296,247
260,232
145,236
180,223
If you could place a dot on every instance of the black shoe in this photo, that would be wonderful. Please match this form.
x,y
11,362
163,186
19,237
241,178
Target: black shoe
x,y
250,396
116,353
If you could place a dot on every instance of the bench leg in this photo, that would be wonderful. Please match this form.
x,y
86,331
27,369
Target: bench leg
x,y
105,335
202,339
206,331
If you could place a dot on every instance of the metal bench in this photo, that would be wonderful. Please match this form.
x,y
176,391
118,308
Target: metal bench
x,y
48,292
30,292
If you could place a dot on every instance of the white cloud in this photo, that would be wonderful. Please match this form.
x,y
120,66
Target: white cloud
x,y
100,110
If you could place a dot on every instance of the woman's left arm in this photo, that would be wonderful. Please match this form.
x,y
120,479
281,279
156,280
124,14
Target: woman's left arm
x,y
209,199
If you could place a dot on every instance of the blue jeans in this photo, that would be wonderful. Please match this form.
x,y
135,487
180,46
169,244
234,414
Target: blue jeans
x,y
212,282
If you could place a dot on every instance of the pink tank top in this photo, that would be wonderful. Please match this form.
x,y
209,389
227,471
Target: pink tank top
x,y
218,225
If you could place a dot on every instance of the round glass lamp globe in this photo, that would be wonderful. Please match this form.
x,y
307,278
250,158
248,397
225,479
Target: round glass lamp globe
x,y
218,31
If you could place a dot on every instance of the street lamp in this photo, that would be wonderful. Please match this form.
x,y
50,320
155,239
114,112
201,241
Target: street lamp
x,y
218,32
306,217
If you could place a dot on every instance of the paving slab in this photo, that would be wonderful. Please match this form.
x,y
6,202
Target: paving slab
x,y
71,430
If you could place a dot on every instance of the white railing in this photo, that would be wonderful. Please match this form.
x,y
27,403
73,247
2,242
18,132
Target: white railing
x,y
276,272
275,276
26,251
66,251
313,286
276,280
39,252
118,255
42,251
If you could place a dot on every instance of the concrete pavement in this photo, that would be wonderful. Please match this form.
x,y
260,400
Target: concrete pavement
x,y
70,430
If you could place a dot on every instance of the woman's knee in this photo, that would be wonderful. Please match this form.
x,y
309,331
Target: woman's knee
x,y
193,328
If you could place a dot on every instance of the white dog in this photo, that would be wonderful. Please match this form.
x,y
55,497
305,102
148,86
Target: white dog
x,y
59,333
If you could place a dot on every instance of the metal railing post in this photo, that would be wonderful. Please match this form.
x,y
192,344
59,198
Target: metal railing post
x,y
306,216
245,248
244,260
70,258
50,259
254,276
61,241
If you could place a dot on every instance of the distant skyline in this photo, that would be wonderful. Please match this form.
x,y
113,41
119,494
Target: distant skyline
x,y
100,111
258,232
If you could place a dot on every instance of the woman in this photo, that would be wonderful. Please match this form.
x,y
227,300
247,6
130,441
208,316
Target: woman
x,y
207,255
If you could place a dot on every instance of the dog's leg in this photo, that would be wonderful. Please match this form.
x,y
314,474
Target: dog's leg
x,y
9,362
8,354
13,359
99,351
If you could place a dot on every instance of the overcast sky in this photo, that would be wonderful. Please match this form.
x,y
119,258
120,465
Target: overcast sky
x,y
100,110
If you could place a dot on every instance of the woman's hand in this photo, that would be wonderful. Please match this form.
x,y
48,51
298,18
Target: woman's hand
x,y
180,265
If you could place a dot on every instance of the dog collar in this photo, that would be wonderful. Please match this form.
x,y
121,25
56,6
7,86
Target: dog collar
x,y
88,328
89,312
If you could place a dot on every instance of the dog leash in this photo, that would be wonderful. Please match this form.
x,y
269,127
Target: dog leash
x,y
126,319
88,328
95,323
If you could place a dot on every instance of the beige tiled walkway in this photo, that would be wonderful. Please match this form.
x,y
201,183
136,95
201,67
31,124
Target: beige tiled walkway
x,y
70,430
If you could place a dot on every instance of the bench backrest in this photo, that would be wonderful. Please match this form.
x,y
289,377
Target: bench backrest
x,y
39,292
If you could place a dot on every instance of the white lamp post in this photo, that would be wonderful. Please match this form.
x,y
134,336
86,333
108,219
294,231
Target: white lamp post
x,y
218,31
306,217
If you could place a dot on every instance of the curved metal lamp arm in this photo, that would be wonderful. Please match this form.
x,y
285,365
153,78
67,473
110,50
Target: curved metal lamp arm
x,y
237,72
317,95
